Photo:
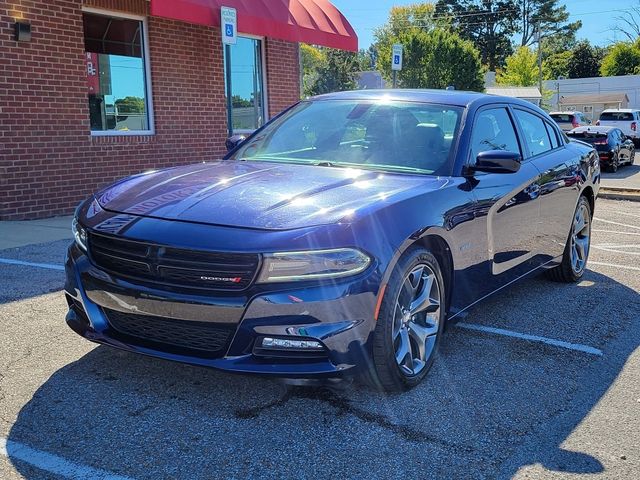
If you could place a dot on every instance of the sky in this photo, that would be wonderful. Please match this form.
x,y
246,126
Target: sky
x,y
596,15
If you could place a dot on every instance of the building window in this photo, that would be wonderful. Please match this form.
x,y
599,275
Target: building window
x,y
117,84
244,87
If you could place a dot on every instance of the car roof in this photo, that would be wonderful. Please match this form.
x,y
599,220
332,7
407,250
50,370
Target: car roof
x,y
447,97
564,113
624,110
593,129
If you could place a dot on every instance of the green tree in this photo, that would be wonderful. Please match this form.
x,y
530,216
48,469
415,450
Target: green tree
x,y
336,72
489,24
238,102
521,69
130,105
551,18
401,20
556,65
427,60
311,58
623,59
584,61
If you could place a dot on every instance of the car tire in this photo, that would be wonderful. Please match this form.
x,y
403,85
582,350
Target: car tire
x,y
576,250
405,342
613,168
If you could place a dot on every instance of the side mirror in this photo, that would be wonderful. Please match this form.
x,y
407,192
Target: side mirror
x,y
497,161
234,141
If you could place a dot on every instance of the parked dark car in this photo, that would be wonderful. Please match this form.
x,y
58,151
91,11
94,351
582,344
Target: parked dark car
x,y
614,147
337,239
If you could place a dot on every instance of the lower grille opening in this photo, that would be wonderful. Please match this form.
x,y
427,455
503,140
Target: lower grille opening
x,y
78,309
200,339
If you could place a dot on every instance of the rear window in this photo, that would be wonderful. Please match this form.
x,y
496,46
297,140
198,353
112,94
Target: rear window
x,y
590,137
562,117
616,116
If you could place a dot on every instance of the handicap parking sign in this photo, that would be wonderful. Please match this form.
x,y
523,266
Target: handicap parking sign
x,y
396,57
229,24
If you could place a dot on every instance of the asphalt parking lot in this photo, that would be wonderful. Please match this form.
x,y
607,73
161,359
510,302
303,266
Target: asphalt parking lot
x,y
544,382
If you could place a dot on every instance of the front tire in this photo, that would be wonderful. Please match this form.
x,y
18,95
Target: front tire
x,y
615,160
576,250
410,322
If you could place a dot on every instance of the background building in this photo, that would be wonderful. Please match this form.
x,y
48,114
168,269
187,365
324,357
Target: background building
x,y
105,88
592,95
530,94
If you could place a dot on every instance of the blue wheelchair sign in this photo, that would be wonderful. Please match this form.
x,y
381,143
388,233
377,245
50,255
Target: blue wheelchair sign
x,y
396,59
228,30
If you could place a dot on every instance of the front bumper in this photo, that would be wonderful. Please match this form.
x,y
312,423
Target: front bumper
x,y
339,315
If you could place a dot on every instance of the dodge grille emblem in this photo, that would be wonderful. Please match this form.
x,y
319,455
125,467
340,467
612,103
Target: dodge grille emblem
x,y
222,279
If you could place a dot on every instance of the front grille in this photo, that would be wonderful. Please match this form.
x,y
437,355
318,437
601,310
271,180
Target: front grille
x,y
171,266
176,336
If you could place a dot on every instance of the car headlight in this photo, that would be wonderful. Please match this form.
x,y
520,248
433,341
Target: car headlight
x,y
79,233
312,265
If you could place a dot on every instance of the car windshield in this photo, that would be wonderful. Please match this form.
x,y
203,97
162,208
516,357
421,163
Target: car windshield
x,y
392,136
616,116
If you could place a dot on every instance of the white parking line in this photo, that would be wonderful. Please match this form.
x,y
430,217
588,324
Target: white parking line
x,y
613,250
53,463
615,231
628,214
616,223
532,338
50,266
614,265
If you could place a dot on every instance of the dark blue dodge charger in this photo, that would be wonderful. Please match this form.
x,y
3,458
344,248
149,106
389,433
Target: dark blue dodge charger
x,y
337,239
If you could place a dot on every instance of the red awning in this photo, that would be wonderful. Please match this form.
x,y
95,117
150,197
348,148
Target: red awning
x,y
316,22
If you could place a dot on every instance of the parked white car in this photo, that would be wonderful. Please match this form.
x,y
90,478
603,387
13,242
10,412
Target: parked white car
x,y
570,120
626,119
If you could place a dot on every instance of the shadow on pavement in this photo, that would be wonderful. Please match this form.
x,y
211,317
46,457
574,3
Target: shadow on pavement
x,y
625,171
490,406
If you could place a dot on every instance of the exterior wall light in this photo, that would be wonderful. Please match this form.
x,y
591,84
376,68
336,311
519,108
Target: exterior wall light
x,y
23,32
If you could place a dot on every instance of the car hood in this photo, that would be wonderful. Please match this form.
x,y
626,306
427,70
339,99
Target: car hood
x,y
259,195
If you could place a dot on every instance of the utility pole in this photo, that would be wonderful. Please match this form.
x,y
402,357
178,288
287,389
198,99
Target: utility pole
x,y
539,37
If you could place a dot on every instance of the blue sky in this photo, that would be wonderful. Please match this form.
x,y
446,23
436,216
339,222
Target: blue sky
x,y
596,17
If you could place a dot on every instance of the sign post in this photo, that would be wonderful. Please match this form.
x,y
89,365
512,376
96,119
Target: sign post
x,y
396,62
229,32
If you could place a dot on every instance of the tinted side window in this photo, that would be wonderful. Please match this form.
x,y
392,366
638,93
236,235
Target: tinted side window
x,y
552,135
493,130
535,133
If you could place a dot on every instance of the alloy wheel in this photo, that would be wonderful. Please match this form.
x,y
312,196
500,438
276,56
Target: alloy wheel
x,y
416,319
580,236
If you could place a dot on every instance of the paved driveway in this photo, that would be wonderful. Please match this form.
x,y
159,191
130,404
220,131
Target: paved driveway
x,y
542,382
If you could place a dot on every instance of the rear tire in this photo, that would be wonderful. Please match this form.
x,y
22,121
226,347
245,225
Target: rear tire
x,y
410,322
576,250
613,168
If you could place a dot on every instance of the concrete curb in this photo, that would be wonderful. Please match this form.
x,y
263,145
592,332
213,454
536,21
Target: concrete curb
x,y
620,193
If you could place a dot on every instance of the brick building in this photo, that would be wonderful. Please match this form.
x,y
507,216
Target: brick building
x,y
94,90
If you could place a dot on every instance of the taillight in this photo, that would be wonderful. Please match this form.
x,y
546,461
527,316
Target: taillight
x,y
634,125
603,142
597,123
575,123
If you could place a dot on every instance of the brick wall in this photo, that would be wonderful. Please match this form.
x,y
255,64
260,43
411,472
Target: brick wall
x,y
48,159
283,73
